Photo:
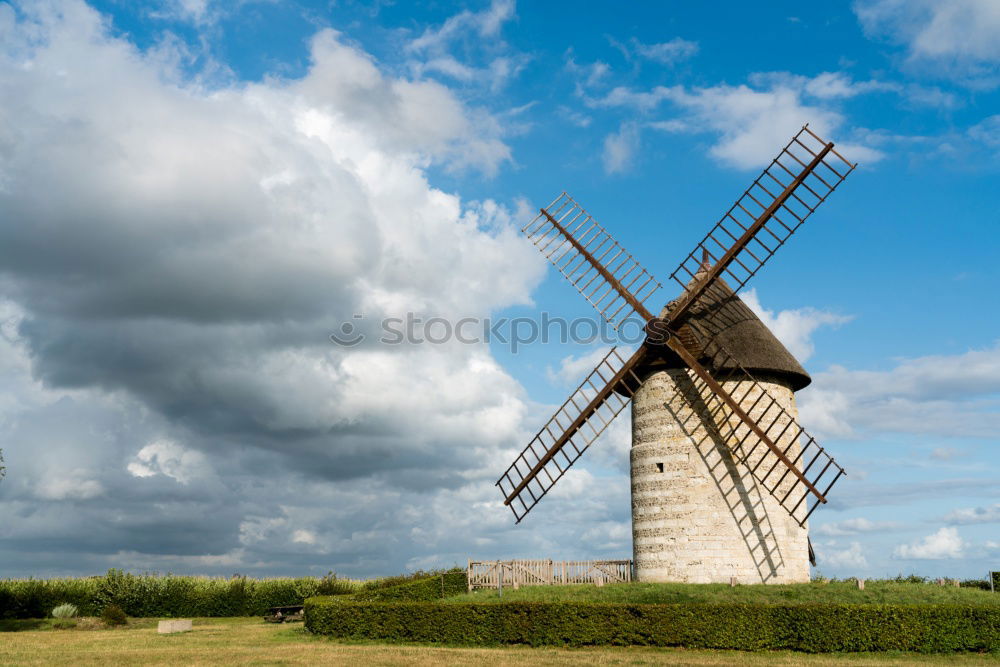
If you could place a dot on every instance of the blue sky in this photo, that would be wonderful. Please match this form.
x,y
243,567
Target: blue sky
x,y
195,194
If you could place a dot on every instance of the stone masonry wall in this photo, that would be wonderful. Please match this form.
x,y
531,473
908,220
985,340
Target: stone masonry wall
x,y
697,515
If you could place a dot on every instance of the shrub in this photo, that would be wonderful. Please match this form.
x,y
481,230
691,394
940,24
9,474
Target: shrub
x,y
172,596
64,614
331,585
114,615
428,588
150,595
65,610
400,579
809,628
34,598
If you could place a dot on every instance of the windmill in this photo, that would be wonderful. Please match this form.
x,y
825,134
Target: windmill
x,y
723,477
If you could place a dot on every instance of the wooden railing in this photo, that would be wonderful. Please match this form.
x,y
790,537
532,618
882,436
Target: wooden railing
x,y
516,573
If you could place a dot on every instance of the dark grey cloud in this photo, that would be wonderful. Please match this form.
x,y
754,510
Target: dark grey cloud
x,y
173,260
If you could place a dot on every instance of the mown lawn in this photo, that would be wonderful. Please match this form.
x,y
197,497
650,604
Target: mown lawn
x,y
876,592
245,641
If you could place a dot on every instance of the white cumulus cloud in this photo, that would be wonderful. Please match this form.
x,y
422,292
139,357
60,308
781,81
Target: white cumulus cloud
x,y
572,368
794,328
959,34
667,53
176,256
168,458
752,120
944,395
620,148
851,557
972,515
946,543
853,527
302,536
484,24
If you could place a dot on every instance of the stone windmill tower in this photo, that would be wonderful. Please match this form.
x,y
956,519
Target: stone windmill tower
x,y
723,477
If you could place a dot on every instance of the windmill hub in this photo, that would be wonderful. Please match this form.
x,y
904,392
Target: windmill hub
x,y
657,331
723,477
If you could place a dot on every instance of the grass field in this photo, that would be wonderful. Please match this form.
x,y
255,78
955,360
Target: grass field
x,y
876,592
249,641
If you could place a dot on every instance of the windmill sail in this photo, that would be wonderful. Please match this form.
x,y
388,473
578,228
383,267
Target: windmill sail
x,y
797,181
757,428
602,271
763,435
588,411
784,459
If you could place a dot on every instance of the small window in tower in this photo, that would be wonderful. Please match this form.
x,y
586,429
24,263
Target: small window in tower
x,y
659,467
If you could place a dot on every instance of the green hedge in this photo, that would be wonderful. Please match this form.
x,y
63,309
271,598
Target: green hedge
x,y
435,587
36,598
150,595
811,628
153,596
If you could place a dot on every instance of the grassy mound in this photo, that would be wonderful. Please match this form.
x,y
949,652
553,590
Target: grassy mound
x,y
876,592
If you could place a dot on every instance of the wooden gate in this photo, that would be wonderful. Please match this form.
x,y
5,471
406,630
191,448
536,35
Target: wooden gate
x,y
516,573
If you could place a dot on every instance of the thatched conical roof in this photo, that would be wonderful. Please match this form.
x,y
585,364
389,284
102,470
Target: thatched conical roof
x,y
719,320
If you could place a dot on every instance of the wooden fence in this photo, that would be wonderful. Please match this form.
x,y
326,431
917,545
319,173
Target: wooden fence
x,y
516,573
